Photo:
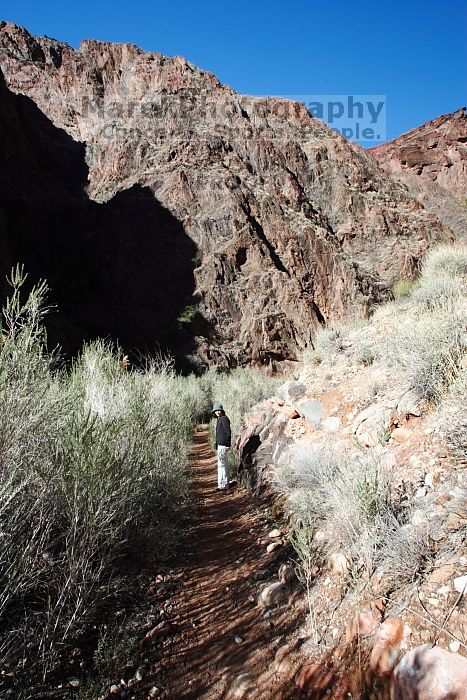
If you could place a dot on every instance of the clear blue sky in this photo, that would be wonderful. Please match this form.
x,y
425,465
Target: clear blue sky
x,y
413,51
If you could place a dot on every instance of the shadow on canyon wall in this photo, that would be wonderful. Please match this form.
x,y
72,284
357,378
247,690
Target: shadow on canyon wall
x,y
121,270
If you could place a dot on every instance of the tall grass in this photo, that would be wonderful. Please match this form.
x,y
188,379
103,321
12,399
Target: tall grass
x,y
427,343
92,468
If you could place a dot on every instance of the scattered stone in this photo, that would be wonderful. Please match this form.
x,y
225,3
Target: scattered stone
x,y
401,435
429,479
418,518
460,584
74,682
140,673
315,678
362,625
273,546
409,404
420,492
454,522
291,391
115,690
158,631
290,412
238,639
272,595
312,411
455,646
430,673
338,564
371,425
274,534
331,424
261,573
390,638
240,686
286,574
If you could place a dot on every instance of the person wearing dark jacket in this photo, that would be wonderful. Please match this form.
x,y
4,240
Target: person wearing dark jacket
x,y
223,442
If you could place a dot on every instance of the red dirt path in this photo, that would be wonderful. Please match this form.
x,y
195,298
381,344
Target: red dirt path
x,y
217,602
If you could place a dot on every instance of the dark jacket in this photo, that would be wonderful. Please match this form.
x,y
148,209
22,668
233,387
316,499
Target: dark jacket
x,y
223,434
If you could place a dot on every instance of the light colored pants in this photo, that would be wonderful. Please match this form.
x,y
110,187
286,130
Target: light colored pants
x,y
222,467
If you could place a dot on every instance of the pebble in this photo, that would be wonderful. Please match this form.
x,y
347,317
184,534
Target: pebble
x,y
273,546
455,646
460,584
140,673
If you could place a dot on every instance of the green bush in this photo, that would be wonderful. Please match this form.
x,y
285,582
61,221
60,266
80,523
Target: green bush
x,y
402,288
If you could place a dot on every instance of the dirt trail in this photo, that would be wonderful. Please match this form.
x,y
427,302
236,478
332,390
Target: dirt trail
x,y
216,602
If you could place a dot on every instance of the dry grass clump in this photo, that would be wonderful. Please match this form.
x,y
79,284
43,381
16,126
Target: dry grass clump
x,y
455,419
446,260
342,493
328,343
438,293
341,500
427,345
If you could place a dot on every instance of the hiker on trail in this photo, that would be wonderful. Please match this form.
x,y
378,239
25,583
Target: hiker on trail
x,y
223,442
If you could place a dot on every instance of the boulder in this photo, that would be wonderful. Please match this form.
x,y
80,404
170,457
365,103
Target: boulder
x,y
371,425
292,391
409,404
286,574
390,638
338,564
272,595
430,673
401,434
460,584
364,624
312,411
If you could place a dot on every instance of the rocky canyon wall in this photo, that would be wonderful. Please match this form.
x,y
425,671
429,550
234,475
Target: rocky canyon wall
x,y
170,212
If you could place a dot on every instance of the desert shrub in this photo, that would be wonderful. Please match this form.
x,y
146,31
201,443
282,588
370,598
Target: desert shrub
x,y
311,357
404,551
402,288
365,355
342,493
438,292
448,260
93,467
428,351
328,343
455,419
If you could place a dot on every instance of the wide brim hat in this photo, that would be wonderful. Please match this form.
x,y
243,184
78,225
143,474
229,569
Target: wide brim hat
x,y
217,407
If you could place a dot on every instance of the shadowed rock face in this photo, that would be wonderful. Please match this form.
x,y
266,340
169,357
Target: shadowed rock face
x,y
105,263
432,161
290,225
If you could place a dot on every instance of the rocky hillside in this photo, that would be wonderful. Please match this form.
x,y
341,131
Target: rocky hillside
x,y
179,213
432,161
365,451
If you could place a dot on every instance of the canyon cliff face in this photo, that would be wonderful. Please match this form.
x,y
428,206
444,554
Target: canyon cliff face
x,y
182,193
432,161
